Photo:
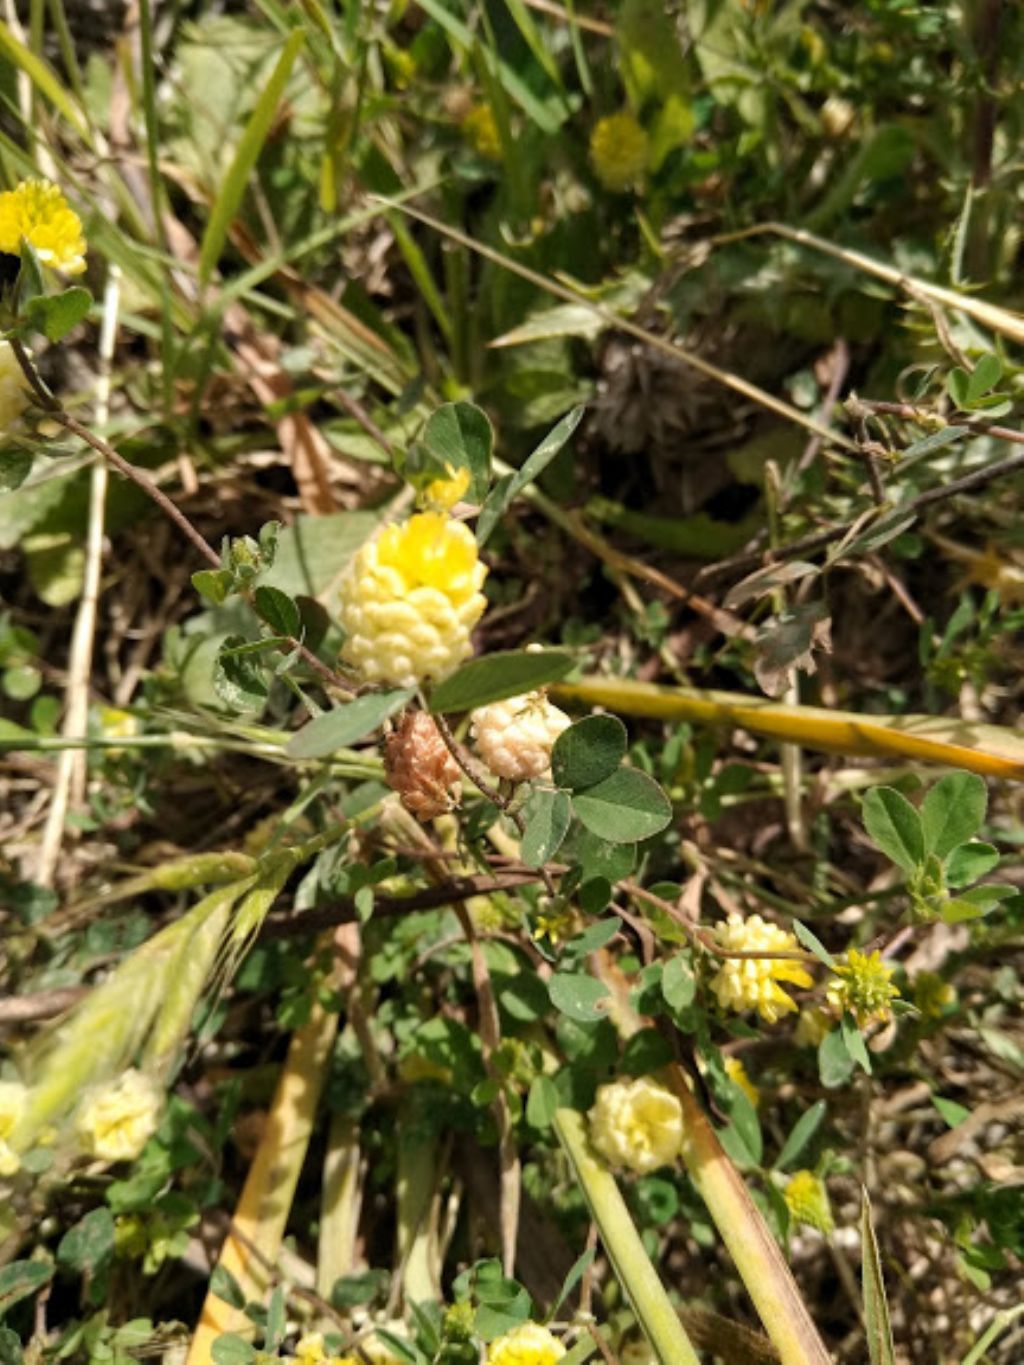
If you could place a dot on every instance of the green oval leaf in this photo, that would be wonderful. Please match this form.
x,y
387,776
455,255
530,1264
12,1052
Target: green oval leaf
x,y
460,435
579,996
55,314
952,812
89,1244
623,808
803,1130
541,1102
588,751
970,862
346,724
546,816
277,610
894,826
21,1278
494,677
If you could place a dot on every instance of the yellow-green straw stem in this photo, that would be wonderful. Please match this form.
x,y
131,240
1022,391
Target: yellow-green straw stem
x,y
991,750
632,1265
253,1242
755,1252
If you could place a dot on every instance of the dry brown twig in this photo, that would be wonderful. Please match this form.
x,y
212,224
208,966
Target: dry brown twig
x,y
56,413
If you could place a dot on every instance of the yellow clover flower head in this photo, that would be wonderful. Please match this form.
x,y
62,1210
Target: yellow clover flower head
x,y
480,129
38,213
443,494
863,988
12,1106
619,151
932,995
309,1350
13,392
116,1121
753,983
807,1200
737,1073
529,1344
410,598
637,1124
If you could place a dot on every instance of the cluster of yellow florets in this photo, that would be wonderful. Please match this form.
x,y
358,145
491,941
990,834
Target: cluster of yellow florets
x,y
13,392
480,129
753,983
530,1344
619,151
116,1121
807,1200
36,212
12,1106
410,598
309,1350
863,988
637,1124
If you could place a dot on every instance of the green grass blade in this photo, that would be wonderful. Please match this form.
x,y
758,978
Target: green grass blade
x,y
538,110
44,79
876,1308
230,196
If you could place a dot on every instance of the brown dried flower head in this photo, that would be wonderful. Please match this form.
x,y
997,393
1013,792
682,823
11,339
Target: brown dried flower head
x,y
419,767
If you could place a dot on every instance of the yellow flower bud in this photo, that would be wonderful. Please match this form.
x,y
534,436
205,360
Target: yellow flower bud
x,y
637,1124
443,494
863,987
117,1120
619,150
410,598
737,1073
807,1200
753,983
530,1344
37,212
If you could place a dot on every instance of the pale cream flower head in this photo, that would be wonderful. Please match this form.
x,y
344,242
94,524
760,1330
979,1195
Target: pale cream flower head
x,y
637,1124
116,1121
